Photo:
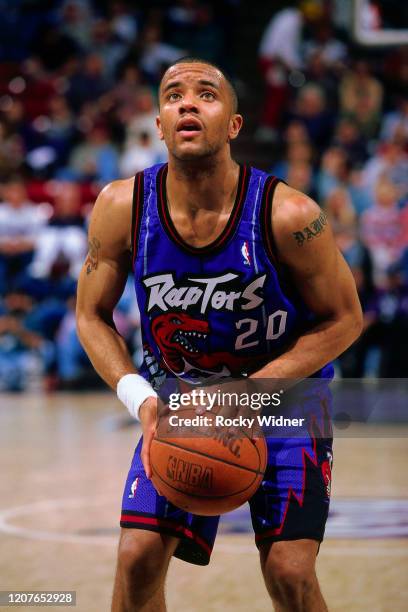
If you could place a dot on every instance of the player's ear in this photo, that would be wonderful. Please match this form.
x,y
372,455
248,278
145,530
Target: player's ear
x,y
235,126
159,128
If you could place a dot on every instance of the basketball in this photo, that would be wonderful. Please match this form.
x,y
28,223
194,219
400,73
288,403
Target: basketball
x,y
206,470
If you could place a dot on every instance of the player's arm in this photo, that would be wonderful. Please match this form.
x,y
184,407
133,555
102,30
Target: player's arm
x,y
307,250
102,280
101,283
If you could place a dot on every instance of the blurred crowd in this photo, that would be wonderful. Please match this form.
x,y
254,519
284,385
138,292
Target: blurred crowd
x,y
78,101
337,116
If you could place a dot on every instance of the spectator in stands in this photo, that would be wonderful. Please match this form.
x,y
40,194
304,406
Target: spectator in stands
x,y
126,92
279,53
76,22
24,354
20,224
311,110
336,171
208,39
324,45
18,126
38,87
54,134
390,160
144,120
381,230
349,138
73,366
88,83
298,151
385,331
109,48
95,159
361,97
333,172
123,21
60,129
156,54
74,370
279,56
322,73
182,17
343,220
395,123
11,151
63,241
300,177
141,154
394,312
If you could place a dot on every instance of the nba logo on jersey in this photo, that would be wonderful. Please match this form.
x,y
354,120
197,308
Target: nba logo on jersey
x,y
133,488
245,253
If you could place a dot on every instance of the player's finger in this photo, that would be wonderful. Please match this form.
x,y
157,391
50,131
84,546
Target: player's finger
x,y
145,453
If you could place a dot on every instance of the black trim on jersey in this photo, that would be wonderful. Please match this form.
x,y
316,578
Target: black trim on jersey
x,y
266,218
137,211
227,232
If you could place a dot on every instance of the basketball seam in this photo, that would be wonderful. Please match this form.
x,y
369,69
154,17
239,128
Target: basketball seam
x,y
197,452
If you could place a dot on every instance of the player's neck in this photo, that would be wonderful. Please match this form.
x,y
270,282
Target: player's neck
x,y
203,184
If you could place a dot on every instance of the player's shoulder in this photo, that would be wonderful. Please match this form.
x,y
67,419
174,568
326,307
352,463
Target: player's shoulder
x,y
120,192
117,194
292,209
111,217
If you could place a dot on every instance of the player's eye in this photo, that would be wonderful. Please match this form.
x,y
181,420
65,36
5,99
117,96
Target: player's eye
x,y
208,95
173,97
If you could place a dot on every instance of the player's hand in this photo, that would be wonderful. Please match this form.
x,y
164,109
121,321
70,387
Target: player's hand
x,y
148,418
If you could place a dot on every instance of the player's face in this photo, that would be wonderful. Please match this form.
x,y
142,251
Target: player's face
x,y
196,117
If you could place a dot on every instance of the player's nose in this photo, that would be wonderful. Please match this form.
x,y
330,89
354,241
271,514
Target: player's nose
x,y
188,105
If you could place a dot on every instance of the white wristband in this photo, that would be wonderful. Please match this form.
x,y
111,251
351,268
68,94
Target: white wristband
x,y
133,390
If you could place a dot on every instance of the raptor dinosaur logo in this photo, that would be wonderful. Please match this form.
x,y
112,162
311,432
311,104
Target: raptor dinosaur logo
x,y
182,342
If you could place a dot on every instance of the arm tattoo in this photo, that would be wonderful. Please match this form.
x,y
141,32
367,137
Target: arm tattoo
x,y
314,230
91,262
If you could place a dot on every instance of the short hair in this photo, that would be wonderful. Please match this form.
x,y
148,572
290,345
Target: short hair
x,y
199,60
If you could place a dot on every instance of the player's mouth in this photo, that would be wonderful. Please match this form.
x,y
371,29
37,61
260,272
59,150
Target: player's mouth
x,y
189,127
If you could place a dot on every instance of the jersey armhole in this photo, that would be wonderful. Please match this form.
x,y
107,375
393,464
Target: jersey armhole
x,y
266,219
269,242
137,210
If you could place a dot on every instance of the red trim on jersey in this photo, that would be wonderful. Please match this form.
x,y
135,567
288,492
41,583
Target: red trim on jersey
x,y
145,520
292,494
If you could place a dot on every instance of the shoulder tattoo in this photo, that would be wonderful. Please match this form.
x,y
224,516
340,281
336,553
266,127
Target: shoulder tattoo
x,y
313,230
91,262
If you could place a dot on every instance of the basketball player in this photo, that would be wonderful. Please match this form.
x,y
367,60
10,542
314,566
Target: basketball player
x,y
229,264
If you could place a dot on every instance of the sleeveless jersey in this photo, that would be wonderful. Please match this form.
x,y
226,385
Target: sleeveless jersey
x,y
216,311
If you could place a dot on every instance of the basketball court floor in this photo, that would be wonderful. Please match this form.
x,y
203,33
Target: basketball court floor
x,y
64,459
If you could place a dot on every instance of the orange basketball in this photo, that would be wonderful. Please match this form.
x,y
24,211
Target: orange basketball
x,y
206,470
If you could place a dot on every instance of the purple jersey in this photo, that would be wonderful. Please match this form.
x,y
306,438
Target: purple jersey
x,y
216,311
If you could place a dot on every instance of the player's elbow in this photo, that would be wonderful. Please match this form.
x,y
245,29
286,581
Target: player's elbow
x,y
353,325
82,326
85,321
90,323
